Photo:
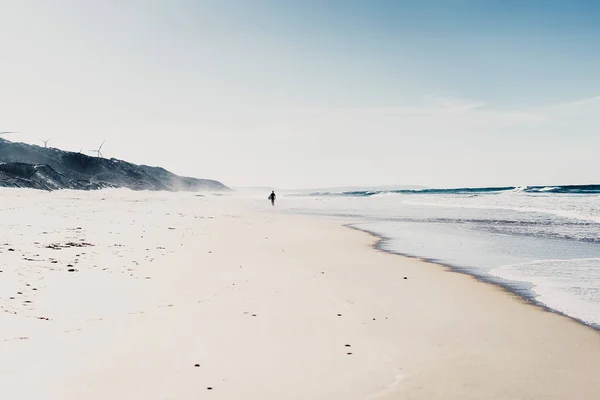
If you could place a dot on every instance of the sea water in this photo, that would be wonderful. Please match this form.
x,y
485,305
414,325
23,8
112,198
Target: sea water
x,y
541,242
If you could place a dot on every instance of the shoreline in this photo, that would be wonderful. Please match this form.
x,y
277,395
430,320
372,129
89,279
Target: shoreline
x,y
159,306
493,286
498,283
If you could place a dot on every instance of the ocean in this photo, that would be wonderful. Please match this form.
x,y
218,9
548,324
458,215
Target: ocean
x,y
542,243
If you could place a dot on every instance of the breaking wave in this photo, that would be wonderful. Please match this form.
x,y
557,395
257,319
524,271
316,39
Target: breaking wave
x,y
569,189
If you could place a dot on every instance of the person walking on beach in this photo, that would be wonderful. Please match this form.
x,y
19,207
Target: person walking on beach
x,y
272,197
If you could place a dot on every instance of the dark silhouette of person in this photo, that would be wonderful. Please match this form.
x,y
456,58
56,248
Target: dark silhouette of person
x,y
272,197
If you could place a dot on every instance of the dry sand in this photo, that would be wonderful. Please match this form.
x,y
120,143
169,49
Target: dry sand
x,y
270,306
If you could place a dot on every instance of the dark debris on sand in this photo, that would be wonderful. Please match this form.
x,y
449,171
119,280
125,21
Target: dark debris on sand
x,y
59,246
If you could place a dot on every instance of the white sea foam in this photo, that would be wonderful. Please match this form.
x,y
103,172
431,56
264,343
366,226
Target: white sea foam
x,y
569,286
548,189
583,208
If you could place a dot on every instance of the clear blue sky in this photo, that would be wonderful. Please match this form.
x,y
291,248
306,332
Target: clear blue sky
x,y
313,93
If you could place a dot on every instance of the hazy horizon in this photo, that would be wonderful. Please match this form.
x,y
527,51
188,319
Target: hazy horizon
x,y
335,187
313,94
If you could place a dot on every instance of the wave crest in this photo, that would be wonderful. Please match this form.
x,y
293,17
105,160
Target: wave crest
x,y
568,189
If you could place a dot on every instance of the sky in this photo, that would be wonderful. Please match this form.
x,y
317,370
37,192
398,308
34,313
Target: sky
x,y
306,93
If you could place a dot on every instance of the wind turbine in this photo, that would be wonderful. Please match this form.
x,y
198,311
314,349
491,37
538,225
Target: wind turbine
x,y
45,142
98,152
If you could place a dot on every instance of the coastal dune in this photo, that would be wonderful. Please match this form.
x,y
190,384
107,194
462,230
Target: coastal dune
x,y
119,294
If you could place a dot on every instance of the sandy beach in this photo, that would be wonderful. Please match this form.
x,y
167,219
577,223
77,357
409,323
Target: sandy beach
x,y
136,295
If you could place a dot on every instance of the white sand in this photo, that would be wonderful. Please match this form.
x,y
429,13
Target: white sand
x,y
173,280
